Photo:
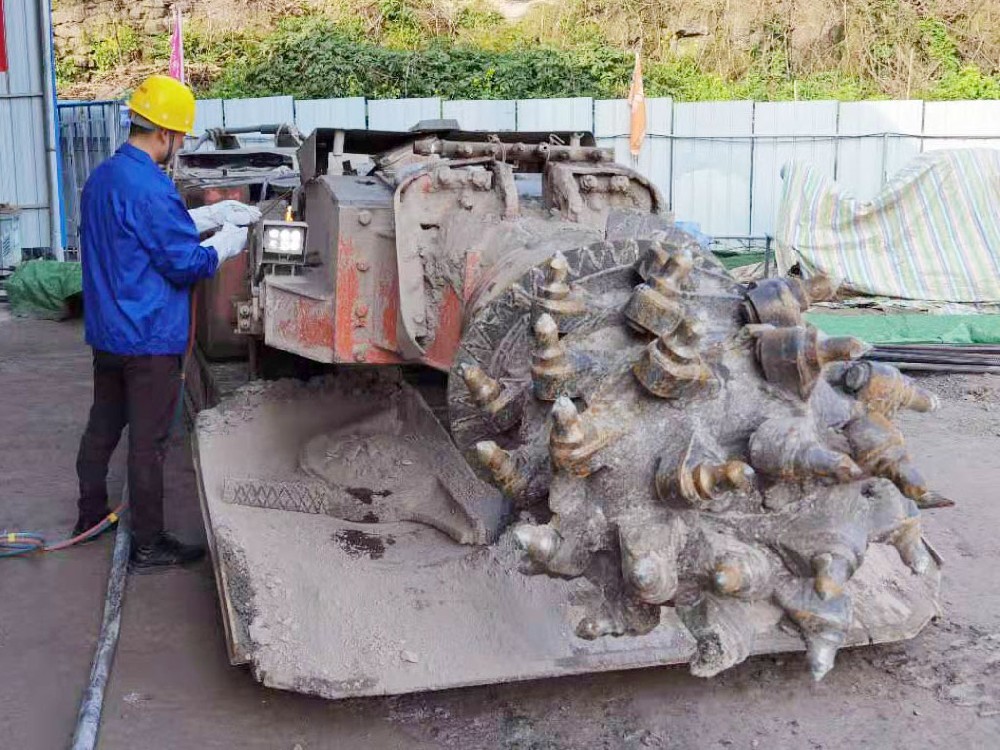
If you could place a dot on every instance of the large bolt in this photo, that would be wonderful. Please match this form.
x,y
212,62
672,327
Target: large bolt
x,y
572,443
502,468
793,357
743,572
831,573
820,461
909,542
666,270
883,388
552,369
781,302
482,387
879,448
555,287
650,311
672,367
711,480
568,428
653,577
619,183
555,296
540,542
789,448
502,405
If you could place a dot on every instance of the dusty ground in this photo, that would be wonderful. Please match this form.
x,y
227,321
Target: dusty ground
x,y
173,689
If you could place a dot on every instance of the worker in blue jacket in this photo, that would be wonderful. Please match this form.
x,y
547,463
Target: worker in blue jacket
x,y
141,254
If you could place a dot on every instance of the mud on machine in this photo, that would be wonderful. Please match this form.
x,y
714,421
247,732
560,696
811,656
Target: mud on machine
x,y
642,462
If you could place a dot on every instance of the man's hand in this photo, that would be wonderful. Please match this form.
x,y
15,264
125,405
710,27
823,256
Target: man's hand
x,y
228,242
211,218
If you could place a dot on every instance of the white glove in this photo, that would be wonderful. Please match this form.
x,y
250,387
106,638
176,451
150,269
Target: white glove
x,y
210,218
228,241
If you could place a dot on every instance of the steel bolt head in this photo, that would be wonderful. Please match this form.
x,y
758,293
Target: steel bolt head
x,y
645,573
546,330
540,542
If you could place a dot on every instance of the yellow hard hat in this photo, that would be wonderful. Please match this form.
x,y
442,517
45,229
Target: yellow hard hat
x,y
165,102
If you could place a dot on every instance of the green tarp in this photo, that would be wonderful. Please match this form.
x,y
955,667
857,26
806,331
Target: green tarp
x,y
911,328
735,260
42,288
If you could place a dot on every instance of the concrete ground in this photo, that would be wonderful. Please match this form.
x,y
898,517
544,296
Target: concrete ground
x,y
172,687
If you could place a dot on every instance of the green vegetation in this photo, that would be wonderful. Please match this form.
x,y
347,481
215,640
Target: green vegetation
x,y
119,48
412,48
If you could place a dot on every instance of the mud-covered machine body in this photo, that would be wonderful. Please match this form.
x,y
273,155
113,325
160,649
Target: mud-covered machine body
x,y
642,462
392,258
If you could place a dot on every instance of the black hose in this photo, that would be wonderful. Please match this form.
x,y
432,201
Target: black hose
x,y
88,721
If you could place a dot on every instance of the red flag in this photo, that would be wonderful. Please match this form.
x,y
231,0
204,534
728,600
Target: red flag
x,y
637,109
177,48
3,42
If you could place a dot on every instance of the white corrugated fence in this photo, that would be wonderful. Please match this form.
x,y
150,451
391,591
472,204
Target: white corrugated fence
x,y
717,163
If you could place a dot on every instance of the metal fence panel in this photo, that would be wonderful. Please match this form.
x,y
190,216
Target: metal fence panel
x,y
865,164
711,178
24,177
208,114
89,133
611,129
347,113
575,114
24,74
968,121
8,148
401,114
485,115
268,110
803,121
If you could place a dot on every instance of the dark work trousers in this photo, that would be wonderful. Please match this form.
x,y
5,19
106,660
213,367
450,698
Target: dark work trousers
x,y
140,392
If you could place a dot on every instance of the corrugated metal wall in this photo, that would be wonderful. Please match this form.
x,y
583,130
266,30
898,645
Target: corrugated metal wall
x,y
24,178
718,164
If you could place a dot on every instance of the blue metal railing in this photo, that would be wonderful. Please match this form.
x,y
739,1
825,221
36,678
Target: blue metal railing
x,y
89,132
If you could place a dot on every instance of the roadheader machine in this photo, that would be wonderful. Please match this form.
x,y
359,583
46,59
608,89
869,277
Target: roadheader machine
x,y
627,459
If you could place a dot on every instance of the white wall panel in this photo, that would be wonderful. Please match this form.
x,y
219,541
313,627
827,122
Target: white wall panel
x,y
401,114
711,178
347,113
980,118
491,115
574,114
268,110
801,119
208,114
864,165
24,176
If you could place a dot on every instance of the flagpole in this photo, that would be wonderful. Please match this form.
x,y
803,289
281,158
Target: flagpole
x,y
180,36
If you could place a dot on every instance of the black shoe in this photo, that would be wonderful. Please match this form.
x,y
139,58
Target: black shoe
x,y
86,524
165,551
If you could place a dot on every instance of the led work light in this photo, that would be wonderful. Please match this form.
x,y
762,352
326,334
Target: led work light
x,y
283,241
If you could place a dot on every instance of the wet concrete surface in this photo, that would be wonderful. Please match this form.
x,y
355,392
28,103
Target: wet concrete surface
x,y
172,686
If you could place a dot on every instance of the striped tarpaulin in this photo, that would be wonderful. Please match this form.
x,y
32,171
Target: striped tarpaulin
x,y
932,234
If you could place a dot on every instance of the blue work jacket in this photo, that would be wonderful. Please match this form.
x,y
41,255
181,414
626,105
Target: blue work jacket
x,y
140,256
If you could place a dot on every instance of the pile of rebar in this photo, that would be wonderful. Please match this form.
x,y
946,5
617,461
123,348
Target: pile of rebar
x,y
940,357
